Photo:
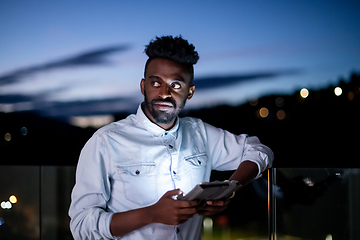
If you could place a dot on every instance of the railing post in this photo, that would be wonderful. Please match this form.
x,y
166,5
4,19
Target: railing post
x,y
271,203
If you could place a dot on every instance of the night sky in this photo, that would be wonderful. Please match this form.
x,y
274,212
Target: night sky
x,y
69,56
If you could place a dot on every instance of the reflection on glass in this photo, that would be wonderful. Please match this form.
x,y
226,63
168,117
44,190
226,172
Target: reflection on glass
x,y
56,186
19,197
318,203
245,217
309,204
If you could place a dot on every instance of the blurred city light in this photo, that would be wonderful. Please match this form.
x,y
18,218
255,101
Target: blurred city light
x,y
309,182
6,205
7,137
253,102
279,102
338,91
6,108
329,237
23,131
304,93
280,114
92,121
208,228
208,223
13,199
263,112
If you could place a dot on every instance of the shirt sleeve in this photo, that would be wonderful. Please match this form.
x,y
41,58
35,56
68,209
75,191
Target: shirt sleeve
x,y
89,218
227,150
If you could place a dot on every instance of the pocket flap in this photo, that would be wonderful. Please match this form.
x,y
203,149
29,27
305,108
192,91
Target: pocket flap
x,y
197,160
137,169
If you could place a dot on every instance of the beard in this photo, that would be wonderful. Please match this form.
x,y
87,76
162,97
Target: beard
x,y
163,117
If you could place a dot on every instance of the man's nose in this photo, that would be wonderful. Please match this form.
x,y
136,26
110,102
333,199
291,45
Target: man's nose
x,y
165,91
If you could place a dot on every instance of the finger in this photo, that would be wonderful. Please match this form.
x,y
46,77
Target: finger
x,y
192,203
187,204
210,210
172,193
188,210
216,203
213,208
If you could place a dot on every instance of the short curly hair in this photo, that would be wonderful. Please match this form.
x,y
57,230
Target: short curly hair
x,y
176,49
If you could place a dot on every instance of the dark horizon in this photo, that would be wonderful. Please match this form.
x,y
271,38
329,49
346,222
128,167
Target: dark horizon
x,y
304,122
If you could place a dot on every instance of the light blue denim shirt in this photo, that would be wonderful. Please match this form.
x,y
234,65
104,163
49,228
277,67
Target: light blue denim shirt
x,y
131,163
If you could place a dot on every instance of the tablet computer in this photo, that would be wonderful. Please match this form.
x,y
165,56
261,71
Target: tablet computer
x,y
211,191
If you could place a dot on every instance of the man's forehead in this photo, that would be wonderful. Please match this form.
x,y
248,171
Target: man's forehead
x,y
161,66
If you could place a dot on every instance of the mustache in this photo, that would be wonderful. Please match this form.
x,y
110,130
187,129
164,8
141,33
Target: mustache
x,y
168,100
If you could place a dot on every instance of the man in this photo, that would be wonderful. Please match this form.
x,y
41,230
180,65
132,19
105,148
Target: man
x,y
130,172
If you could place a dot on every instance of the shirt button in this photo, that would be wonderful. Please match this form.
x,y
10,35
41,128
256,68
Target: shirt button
x,y
177,230
174,172
171,146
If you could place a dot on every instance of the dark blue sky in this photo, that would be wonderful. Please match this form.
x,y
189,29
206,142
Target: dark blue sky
x,y
71,51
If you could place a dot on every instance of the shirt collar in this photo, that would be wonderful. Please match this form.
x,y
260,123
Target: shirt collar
x,y
154,129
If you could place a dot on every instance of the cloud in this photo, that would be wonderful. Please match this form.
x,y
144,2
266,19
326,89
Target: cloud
x,y
40,102
38,97
87,108
206,83
14,103
95,57
15,98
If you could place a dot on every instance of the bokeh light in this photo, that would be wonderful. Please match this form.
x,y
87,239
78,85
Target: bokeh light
x,y
279,101
329,237
7,137
263,112
91,121
351,96
13,199
253,102
208,223
6,205
280,114
23,131
304,93
338,91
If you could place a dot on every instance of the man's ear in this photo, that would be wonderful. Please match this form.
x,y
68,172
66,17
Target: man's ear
x,y
191,92
142,85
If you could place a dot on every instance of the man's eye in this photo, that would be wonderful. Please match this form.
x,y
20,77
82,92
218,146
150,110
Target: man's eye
x,y
156,84
175,85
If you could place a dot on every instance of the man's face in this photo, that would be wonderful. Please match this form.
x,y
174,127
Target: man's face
x,y
166,88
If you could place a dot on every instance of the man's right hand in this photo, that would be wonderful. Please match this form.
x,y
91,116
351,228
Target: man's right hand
x,y
167,211
172,212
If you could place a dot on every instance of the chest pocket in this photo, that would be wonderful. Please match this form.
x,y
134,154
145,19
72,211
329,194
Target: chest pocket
x,y
196,166
139,182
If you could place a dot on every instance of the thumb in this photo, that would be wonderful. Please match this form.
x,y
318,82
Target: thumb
x,y
172,193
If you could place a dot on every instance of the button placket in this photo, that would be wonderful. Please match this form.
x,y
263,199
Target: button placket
x,y
169,142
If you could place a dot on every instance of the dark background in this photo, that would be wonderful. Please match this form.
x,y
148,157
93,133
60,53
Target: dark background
x,y
321,130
